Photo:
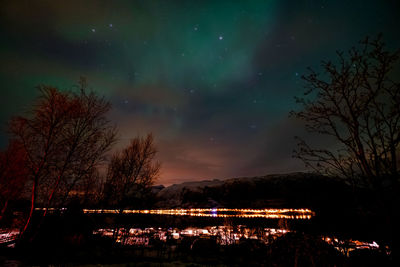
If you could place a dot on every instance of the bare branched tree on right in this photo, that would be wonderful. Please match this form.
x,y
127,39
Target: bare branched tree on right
x,y
131,172
356,101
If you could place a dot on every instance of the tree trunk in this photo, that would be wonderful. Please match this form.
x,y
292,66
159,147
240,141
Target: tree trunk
x,y
3,210
33,206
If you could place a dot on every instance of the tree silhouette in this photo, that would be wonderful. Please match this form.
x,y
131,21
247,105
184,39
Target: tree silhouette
x,y
64,136
356,101
131,172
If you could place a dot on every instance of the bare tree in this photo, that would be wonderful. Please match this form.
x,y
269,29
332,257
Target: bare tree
x,y
87,136
64,136
13,174
356,102
132,171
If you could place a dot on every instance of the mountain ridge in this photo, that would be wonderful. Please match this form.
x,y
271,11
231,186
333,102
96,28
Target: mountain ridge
x,y
274,190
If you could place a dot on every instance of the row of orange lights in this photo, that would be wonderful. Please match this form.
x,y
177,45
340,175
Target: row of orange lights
x,y
244,213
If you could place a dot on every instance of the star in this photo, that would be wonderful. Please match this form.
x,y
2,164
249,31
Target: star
x,y
220,37
93,30
110,25
195,28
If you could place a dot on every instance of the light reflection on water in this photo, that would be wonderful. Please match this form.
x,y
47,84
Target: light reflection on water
x,y
223,235
296,214
7,236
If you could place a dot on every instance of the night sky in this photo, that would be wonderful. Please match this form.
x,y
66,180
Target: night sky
x,y
213,80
